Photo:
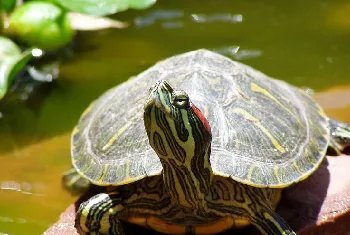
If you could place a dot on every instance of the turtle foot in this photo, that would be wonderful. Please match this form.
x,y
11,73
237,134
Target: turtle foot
x,y
74,183
340,136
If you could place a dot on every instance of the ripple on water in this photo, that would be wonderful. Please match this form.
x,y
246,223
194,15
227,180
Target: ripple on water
x,y
23,187
4,219
217,17
237,53
175,18
160,15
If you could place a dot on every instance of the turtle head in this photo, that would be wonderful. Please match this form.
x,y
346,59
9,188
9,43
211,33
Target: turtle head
x,y
173,123
180,135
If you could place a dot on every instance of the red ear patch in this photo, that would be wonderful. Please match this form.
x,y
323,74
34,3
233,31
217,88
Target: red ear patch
x,y
201,117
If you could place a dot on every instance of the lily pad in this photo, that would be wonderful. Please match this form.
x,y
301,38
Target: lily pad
x,y
103,7
141,4
12,61
40,24
8,48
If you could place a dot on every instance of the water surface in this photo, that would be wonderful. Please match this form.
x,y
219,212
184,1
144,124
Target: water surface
x,y
303,42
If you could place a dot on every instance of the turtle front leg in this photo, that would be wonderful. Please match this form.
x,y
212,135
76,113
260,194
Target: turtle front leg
x,y
102,213
340,136
247,202
99,215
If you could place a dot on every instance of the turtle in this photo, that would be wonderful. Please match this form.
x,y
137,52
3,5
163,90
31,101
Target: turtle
x,y
197,144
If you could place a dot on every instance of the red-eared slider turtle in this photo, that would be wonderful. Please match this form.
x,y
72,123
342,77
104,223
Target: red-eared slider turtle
x,y
210,152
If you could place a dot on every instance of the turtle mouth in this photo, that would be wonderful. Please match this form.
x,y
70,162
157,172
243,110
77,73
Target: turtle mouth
x,y
149,102
160,97
154,102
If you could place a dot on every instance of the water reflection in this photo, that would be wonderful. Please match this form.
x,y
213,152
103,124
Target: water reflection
x,y
172,24
4,219
217,17
170,18
157,15
23,187
237,53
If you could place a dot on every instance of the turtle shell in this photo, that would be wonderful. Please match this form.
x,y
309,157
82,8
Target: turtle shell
x,y
266,133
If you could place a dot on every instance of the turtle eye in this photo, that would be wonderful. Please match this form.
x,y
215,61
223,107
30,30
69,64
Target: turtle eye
x,y
180,99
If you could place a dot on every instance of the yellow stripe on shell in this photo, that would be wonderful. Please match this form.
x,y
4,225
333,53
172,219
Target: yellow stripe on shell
x,y
104,172
242,94
275,169
262,128
86,111
75,131
121,130
251,169
127,172
212,81
297,167
91,162
255,88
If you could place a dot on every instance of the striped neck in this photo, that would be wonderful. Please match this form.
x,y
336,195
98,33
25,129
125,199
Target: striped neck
x,y
181,137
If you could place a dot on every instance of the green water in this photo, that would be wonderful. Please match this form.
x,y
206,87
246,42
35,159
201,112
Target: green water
x,y
303,42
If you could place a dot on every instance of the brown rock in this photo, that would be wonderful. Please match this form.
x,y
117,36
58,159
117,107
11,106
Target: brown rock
x,y
318,205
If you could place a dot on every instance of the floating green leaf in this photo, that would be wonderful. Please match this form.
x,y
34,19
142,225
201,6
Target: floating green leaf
x,y
140,4
12,61
8,49
94,7
40,24
103,7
